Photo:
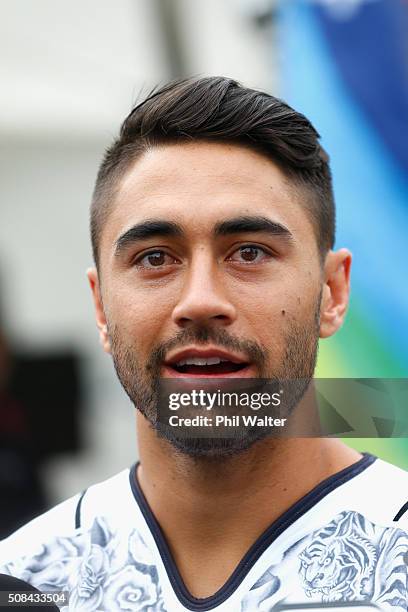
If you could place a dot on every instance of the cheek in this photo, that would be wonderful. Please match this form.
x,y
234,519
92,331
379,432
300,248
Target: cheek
x,y
293,298
278,313
138,314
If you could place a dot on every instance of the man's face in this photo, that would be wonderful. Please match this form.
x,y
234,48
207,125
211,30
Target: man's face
x,y
209,267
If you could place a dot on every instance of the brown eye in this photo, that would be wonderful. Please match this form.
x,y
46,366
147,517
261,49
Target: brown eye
x,y
249,254
154,259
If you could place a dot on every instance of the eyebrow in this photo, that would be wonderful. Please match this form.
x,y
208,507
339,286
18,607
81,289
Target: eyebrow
x,y
152,228
147,229
239,225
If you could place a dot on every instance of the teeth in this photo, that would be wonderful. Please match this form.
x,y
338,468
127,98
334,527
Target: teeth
x,y
198,361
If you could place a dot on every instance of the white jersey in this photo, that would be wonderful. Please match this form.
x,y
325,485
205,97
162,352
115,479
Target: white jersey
x,y
345,541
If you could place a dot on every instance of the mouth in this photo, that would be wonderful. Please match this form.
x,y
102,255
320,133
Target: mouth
x,y
208,363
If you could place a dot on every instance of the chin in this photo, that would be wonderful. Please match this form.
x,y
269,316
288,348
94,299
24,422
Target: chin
x,y
212,448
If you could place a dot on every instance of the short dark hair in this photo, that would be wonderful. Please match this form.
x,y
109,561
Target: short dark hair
x,y
222,110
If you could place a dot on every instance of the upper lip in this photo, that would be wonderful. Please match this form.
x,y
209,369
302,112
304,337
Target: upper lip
x,y
203,353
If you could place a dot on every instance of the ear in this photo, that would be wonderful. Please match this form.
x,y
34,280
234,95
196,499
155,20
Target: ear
x,y
99,311
336,291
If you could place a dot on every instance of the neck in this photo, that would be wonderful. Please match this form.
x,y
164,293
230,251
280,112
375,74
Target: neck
x,y
203,505
279,470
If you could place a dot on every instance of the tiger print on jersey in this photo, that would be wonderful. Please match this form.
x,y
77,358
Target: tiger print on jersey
x,y
351,559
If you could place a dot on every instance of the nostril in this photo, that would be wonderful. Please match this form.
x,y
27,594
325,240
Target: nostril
x,y
186,320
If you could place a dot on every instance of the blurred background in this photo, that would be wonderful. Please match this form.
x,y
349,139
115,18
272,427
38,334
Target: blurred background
x,y
70,72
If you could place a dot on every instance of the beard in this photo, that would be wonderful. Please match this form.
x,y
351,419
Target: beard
x,y
294,374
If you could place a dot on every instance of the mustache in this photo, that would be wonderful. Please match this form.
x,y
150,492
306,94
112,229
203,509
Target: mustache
x,y
203,335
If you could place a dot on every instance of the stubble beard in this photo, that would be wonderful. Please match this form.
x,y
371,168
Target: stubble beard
x,y
142,383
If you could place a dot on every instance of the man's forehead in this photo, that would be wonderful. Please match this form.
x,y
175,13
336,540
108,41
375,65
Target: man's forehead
x,y
186,167
196,212
206,174
197,185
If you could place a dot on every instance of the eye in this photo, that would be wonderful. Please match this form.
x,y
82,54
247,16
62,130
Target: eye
x,y
249,253
154,259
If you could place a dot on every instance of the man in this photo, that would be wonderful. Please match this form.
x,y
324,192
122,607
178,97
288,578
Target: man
x,y
212,227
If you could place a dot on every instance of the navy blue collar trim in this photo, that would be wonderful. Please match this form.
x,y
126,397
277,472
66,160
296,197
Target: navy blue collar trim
x,y
259,546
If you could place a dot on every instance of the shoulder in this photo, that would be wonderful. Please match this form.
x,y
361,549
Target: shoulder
x,y
108,551
383,488
65,522
373,488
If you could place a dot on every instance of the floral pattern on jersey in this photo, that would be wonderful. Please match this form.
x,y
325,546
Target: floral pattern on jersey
x,y
102,570
350,559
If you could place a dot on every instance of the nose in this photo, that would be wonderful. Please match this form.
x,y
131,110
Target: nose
x,y
317,579
203,298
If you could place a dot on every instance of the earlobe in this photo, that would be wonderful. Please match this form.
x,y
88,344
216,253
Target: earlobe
x,y
101,322
336,291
